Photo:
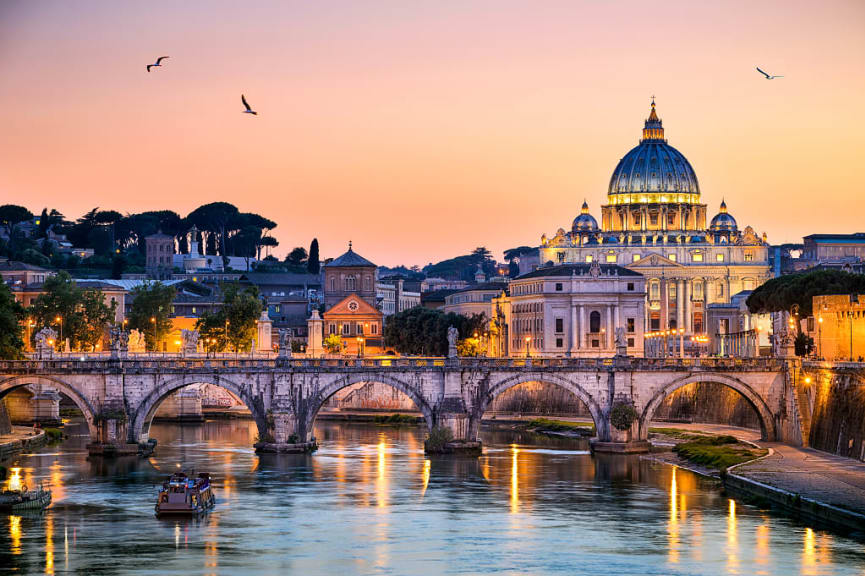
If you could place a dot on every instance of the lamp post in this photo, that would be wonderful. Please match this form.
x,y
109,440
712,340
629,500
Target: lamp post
x,y
850,319
681,342
359,346
155,333
59,320
528,342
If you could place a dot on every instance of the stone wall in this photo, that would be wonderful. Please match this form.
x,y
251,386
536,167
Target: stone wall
x,y
184,404
708,402
837,406
5,423
370,396
540,399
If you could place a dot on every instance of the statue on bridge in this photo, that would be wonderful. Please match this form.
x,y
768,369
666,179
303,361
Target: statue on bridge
x,y
284,343
136,342
453,336
119,343
45,340
621,342
189,339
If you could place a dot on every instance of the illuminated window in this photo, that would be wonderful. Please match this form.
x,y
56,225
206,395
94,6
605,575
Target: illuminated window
x,y
655,290
697,257
636,257
672,257
611,258
719,257
588,259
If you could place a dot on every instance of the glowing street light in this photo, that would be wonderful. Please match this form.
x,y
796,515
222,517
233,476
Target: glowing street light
x,y
528,341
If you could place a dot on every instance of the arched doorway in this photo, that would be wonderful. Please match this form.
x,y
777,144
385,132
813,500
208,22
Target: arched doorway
x,y
761,409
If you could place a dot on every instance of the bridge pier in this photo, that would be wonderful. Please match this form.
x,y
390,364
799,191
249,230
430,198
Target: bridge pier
x,y
112,436
285,436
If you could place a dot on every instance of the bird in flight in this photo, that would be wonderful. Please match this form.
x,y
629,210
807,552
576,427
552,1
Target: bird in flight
x,y
158,62
246,105
768,76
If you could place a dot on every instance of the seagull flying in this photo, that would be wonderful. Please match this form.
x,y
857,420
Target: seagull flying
x,y
158,62
768,76
246,105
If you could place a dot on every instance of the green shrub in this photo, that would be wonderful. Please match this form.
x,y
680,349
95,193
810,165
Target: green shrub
x,y
438,439
623,415
557,425
53,434
294,439
394,419
717,451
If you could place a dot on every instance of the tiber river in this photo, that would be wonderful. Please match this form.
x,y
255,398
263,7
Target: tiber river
x,y
369,502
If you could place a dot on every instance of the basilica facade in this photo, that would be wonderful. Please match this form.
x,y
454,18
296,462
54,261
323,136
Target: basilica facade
x,y
654,223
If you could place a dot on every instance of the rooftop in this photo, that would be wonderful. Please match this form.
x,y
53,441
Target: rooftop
x,y
578,270
350,259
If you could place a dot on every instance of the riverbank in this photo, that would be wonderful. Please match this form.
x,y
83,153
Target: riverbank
x,y
20,439
805,483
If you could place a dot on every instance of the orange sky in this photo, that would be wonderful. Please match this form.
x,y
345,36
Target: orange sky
x,y
423,129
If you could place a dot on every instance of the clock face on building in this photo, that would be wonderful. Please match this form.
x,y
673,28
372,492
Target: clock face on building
x,y
353,306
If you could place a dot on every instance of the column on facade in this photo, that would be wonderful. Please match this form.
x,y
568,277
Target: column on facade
x,y
582,327
610,330
574,342
616,319
680,303
664,303
686,300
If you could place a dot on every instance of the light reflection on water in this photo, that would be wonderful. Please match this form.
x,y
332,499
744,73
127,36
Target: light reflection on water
x,y
370,502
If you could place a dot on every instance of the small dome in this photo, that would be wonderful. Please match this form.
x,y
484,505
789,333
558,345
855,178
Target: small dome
x,y
723,221
585,222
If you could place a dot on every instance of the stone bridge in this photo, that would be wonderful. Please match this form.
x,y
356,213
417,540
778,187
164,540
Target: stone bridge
x,y
120,396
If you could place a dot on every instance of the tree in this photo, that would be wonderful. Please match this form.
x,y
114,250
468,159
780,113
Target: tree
x,y
297,256
785,292
267,242
10,216
421,330
79,315
333,343
149,314
234,325
313,263
11,314
217,218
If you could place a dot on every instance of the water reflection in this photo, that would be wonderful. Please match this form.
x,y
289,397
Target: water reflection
x,y
370,502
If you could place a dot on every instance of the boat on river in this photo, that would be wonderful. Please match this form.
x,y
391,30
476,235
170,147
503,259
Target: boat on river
x,y
184,496
23,500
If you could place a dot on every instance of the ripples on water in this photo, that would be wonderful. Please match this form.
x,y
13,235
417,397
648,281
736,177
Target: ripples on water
x,y
370,502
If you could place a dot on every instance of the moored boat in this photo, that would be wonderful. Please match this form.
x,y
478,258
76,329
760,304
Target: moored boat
x,y
184,496
18,498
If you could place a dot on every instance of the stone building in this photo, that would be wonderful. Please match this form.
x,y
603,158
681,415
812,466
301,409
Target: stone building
x,y
159,255
838,326
572,310
475,299
350,304
654,223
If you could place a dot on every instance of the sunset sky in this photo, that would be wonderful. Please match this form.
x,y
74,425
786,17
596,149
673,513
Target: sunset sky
x,y
420,130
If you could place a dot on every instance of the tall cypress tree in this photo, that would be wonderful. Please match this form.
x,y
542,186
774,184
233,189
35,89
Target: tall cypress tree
x,y
313,265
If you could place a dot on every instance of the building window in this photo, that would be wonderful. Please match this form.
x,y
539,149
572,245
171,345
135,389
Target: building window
x,y
630,342
749,255
560,256
276,308
332,328
332,284
193,310
359,328
697,257
698,290
630,286
631,324
719,257
560,325
589,258
346,329
611,258
655,322
595,322
559,342
671,257
720,290
698,322
367,283
373,328
350,284
636,258
558,286
655,290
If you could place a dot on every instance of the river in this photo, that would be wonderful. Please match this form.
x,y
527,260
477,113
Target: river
x,y
370,502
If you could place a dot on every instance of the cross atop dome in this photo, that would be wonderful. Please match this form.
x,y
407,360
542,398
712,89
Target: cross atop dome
x,y
653,128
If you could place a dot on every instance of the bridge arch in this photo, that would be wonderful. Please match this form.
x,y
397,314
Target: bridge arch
x,y
68,390
574,388
764,413
324,394
142,415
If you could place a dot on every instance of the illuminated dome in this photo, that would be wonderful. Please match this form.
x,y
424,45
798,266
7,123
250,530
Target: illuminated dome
x,y
653,171
585,222
723,222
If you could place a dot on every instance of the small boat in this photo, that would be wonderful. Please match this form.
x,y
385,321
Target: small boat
x,y
24,499
185,496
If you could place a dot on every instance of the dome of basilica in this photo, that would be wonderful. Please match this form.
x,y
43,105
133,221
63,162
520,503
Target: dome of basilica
x,y
653,168
723,221
585,222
